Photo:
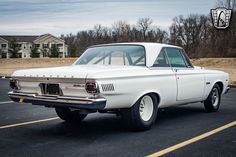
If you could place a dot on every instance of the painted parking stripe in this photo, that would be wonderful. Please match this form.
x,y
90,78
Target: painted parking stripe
x,y
190,141
6,102
27,123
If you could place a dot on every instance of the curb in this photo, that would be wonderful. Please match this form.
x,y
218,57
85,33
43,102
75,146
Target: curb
x,y
4,77
232,86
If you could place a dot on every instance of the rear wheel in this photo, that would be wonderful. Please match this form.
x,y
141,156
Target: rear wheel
x,y
142,114
70,116
212,103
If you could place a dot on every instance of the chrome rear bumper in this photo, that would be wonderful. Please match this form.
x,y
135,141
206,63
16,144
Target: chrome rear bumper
x,y
59,101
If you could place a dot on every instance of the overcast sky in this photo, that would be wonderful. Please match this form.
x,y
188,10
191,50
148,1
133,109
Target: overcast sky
x,y
28,17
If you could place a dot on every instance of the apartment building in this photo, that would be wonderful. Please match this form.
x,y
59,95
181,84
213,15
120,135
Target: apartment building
x,y
43,43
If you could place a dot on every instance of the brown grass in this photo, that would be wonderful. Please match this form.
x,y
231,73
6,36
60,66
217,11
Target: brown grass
x,y
8,66
224,64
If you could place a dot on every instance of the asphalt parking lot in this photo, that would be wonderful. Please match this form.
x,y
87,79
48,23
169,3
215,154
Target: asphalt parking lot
x,y
27,130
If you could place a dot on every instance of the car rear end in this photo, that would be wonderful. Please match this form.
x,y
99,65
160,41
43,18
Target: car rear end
x,y
57,92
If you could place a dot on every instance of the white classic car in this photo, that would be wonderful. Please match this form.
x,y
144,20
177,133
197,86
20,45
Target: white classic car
x,y
133,80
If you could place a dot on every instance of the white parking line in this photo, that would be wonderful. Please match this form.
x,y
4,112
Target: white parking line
x,y
6,102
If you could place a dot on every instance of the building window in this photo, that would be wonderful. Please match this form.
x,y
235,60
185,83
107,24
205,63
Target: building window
x,y
59,45
53,45
18,45
4,55
4,45
45,45
37,45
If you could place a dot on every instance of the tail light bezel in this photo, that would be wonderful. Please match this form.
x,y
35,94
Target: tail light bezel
x,y
15,84
92,87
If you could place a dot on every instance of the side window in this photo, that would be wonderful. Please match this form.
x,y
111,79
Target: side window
x,y
175,57
161,60
137,58
186,59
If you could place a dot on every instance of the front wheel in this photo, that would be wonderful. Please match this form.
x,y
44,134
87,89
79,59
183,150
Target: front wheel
x,y
142,114
212,103
70,116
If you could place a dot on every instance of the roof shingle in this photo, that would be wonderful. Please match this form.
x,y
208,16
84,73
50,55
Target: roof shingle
x,y
19,38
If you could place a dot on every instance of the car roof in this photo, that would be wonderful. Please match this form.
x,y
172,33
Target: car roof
x,y
145,44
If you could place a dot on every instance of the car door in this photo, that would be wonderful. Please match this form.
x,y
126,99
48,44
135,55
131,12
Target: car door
x,y
164,82
190,81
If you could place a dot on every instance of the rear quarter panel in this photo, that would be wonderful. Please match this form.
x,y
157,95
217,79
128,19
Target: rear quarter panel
x,y
214,76
128,89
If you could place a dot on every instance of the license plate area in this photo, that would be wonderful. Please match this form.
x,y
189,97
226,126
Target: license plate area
x,y
50,89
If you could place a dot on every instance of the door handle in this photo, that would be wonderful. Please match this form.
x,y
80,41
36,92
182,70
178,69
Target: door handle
x,y
176,70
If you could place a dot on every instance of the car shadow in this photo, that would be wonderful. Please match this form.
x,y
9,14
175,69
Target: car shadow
x,y
101,124
179,112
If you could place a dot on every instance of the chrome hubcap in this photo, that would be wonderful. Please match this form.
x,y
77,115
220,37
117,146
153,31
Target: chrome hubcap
x,y
215,97
146,108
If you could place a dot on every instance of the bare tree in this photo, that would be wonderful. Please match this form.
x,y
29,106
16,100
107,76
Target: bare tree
x,y
155,34
190,32
71,41
195,33
144,24
121,31
98,30
176,32
230,4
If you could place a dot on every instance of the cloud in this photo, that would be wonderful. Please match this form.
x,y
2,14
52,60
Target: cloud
x,y
63,16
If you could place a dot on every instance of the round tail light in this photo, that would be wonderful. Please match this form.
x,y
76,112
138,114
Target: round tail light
x,y
91,87
14,84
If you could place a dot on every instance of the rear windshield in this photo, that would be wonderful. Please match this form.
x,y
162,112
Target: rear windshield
x,y
130,55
